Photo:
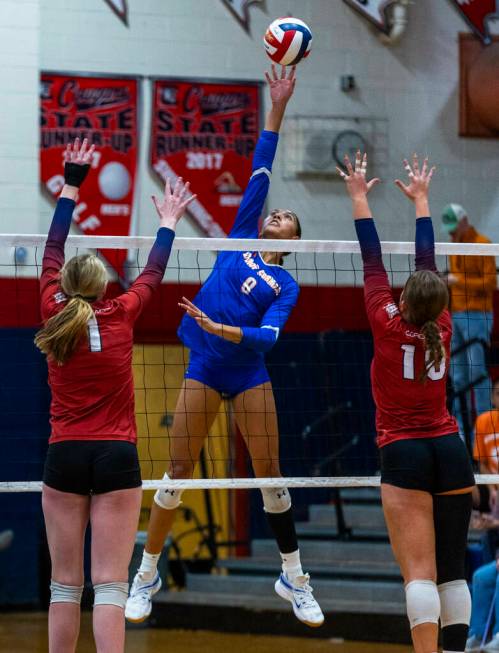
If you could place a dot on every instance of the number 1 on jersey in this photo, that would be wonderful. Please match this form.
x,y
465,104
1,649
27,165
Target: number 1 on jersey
x,y
433,374
94,339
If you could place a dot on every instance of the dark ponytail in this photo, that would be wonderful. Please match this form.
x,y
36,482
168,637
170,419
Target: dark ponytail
x,y
434,347
426,296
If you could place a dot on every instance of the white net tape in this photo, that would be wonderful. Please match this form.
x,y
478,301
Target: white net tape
x,y
247,244
249,483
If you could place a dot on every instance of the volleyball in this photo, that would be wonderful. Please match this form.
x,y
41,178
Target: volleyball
x,y
288,40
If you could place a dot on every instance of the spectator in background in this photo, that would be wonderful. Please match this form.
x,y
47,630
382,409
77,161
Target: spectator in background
x,y
472,281
486,447
485,587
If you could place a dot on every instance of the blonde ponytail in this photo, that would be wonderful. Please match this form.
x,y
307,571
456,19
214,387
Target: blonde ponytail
x,y
434,346
83,279
62,333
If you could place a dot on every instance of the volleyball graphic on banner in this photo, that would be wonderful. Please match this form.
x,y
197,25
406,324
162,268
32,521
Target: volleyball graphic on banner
x,y
287,41
114,181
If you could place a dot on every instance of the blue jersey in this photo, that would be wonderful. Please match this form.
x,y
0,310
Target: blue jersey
x,y
242,290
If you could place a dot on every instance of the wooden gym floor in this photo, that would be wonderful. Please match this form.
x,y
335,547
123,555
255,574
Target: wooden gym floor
x,y
26,633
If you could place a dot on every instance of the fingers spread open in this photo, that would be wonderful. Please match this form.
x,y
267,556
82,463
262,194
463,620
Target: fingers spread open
x,y
183,191
188,201
348,165
90,153
156,203
363,167
415,163
358,161
408,168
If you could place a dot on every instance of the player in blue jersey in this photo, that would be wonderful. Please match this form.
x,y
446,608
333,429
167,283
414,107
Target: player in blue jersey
x,y
235,318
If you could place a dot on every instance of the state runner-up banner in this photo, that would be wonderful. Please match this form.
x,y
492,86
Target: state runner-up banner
x,y
206,132
104,110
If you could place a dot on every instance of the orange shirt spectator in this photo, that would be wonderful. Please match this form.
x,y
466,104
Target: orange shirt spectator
x,y
486,447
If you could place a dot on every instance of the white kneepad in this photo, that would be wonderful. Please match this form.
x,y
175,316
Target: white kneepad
x,y
111,594
455,601
166,498
423,602
65,593
276,500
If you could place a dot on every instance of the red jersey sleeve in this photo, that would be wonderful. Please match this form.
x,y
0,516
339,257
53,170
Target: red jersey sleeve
x,y
140,292
53,258
378,297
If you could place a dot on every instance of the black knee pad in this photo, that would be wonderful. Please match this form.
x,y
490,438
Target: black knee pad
x,y
451,516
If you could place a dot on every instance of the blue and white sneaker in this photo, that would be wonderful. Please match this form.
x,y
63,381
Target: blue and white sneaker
x,y
493,645
300,595
473,644
139,603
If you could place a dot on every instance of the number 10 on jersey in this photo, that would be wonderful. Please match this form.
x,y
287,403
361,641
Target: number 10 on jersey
x,y
433,374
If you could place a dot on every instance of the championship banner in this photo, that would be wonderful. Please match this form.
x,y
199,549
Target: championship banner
x,y
477,14
373,10
206,133
104,110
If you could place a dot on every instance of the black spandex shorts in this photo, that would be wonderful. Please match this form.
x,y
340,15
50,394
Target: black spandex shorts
x,y
92,466
433,465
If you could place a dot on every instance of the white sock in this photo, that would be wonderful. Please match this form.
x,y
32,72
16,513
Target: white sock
x,y
149,565
291,564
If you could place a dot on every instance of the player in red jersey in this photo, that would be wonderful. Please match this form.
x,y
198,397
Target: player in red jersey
x,y
426,474
92,472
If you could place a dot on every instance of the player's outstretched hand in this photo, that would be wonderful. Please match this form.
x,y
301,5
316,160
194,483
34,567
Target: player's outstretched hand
x,y
355,178
81,155
197,314
172,207
77,160
419,179
281,87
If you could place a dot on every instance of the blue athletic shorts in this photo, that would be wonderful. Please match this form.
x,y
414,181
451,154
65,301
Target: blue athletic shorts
x,y
228,380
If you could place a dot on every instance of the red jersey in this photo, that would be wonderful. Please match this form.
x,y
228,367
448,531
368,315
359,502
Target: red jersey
x,y
405,407
93,392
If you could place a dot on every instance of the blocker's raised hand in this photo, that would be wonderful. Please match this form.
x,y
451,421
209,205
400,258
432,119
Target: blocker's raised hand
x,y
171,208
419,179
281,87
77,160
355,178
81,155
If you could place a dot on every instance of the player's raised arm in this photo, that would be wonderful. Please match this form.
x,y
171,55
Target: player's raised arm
x,y
77,161
377,291
281,89
416,190
358,188
169,209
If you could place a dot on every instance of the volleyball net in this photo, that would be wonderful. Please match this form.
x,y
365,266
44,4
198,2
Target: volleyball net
x,y
319,367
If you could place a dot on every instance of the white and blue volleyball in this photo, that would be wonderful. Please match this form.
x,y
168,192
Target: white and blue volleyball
x,y
288,40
